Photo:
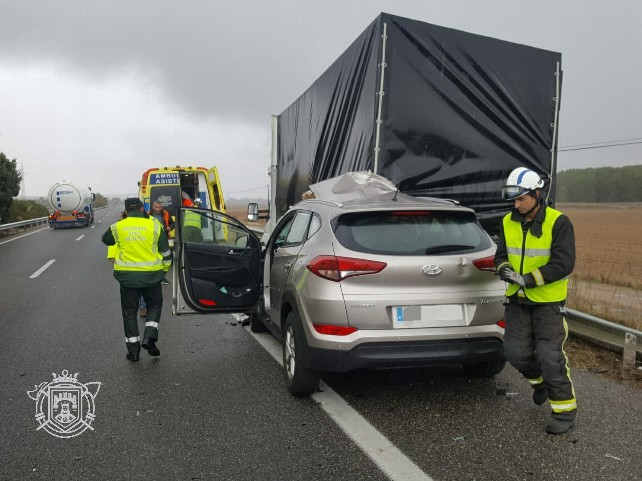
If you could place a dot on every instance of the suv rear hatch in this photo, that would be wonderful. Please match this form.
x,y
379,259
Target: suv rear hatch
x,y
438,269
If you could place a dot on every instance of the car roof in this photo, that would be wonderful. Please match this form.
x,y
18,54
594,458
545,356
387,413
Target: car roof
x,y
364,190
381,202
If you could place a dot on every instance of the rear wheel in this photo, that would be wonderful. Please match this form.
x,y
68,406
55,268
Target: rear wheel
x,y
300,380
486,369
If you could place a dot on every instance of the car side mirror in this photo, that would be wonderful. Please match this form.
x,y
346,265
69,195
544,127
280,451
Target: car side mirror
x,y
253,212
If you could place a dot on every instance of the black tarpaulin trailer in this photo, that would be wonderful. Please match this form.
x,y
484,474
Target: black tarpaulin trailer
x,y
440,112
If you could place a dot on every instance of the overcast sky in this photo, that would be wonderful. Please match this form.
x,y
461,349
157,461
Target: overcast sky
x,y
98,92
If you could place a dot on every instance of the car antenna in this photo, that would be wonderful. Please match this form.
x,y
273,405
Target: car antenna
x,y
395,196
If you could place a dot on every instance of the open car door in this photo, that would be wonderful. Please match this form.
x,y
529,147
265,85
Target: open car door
x,y
214,272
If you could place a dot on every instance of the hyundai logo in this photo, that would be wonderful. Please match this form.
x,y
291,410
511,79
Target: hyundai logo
x,y
431,270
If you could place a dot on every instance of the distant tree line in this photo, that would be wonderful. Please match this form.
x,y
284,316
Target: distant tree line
x,y
600,184
10,179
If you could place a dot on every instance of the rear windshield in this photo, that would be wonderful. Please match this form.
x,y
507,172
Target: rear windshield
x,y
411,233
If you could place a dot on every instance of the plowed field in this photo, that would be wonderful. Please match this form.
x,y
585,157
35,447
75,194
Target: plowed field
x,y
607,281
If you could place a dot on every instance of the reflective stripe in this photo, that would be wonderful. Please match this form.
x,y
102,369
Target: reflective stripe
x,y
130,340
114,232
505,263
192,219
167,253
155,262
538,252
563,406
535,382
529,252
539,279
151,324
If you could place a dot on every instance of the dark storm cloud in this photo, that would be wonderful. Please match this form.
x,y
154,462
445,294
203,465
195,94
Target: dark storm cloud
x,y
208,58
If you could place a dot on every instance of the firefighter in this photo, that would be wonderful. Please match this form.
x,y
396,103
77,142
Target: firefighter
x,y
535,256
143,250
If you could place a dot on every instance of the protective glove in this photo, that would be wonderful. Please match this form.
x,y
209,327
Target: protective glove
x,y
507,274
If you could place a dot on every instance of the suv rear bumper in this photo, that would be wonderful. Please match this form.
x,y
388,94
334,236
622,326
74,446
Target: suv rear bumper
x,y
405,354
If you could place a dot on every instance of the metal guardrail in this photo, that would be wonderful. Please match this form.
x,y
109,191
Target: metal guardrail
x,y
29,223
24,223
603,333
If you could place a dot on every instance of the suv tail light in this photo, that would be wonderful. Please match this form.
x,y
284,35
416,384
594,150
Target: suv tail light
x,y
332,330
338,268
485,263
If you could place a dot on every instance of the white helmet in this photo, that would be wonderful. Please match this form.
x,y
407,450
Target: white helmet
x,y
197,202
521,181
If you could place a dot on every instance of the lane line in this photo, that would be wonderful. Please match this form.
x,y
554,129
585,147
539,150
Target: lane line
x,y
80,237
92,226
23,235
42,269
396,465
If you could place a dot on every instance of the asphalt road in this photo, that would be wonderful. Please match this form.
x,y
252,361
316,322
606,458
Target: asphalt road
x,y
214,406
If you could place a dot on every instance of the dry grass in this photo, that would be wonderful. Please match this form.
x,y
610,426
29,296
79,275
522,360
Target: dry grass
x,y
240,214
588,357
607,281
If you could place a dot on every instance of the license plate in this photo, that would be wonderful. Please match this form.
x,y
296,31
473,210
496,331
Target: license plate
x,y
443,315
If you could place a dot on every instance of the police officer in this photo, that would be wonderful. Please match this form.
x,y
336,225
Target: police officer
x,y
535,256
143,249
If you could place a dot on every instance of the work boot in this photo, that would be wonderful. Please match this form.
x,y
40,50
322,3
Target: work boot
x,y
540,394
559,425
150,346
132,357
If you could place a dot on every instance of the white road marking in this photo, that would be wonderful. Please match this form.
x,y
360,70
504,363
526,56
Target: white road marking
x,y
375,445
93,226
42,269
80,237
23,235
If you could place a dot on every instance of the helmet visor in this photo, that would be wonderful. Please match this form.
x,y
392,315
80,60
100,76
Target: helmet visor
x,y
512,192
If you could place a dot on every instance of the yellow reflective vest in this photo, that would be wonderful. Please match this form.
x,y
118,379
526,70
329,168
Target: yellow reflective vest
x,y
527,253
137,241
192,219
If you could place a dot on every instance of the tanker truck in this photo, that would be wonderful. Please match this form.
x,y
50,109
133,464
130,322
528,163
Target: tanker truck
x,y
71,204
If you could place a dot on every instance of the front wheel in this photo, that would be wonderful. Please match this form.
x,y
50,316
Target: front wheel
x,y
300,380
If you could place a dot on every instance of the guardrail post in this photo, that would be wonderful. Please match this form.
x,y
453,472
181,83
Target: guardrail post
x,y
628,353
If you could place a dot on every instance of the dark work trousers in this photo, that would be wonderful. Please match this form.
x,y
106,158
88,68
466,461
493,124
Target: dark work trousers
x,y
129,299
534,344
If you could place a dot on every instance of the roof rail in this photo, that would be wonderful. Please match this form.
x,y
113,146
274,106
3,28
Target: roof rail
x,y
324,201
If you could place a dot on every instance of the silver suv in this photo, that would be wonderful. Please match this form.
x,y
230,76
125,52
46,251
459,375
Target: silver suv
x,y
386,281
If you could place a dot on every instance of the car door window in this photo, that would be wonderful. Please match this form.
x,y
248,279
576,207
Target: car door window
x,y
315,225
299,229
282,233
